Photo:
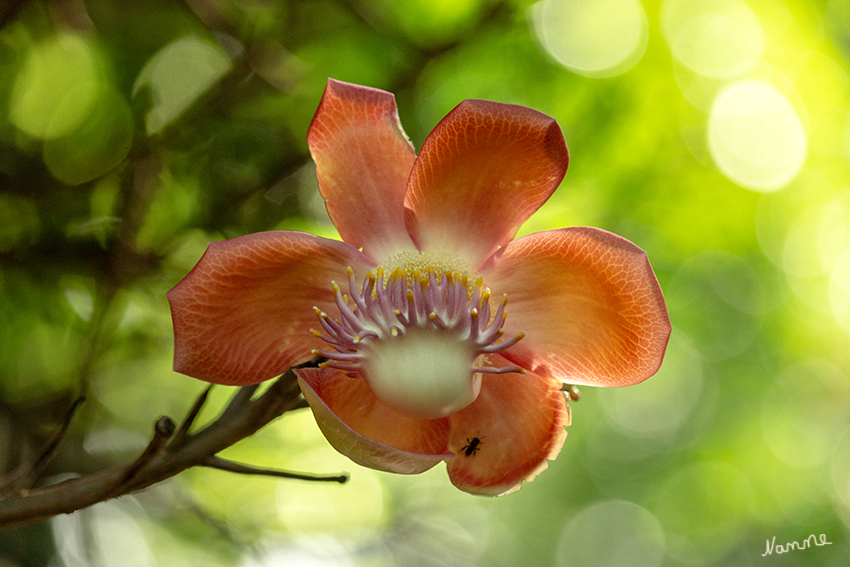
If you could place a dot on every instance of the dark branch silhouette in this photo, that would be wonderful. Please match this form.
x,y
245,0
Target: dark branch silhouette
x,y
170,451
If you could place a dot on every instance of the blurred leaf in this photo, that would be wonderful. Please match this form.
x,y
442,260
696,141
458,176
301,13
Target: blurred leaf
x,y
100,143
56,88
19,222
177,75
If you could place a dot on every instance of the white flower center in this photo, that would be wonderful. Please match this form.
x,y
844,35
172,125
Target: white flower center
x,y
423,373
416,340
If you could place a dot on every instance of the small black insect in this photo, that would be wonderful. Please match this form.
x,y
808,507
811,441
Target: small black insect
x,y
472,446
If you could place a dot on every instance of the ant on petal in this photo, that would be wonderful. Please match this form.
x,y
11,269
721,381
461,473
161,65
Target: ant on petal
x,y
472,446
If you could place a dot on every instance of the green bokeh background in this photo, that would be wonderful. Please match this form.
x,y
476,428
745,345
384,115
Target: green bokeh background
x,y
133,133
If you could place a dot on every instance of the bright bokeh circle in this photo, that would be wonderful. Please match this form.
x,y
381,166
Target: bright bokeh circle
x,y
839,289
601,38
714,38
613,532
755,136
56,87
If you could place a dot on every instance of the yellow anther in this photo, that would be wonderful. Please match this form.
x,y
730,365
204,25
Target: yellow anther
x,y
442,263
423,282
382,310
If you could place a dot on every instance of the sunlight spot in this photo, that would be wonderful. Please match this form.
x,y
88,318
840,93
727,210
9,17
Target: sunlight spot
x,y
430,22
602,38
705,509
105,534
331,554
816,240
718,39
612,533
780,211
68,537
799,254
117,531
839,289
177,76
318,509
658,408
717,299
834,231
56,87
841,476
755,136
80,299
98,144
800,425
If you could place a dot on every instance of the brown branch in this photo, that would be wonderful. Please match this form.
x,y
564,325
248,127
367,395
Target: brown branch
x,y
39,465
214,462
28,475
166,455
183,432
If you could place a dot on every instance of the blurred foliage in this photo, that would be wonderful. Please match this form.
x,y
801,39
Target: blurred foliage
x,y
713,134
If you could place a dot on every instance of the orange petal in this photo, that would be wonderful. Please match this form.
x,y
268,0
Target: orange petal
x,y
588,303
481,173
244,313
509,433
366,430
363,159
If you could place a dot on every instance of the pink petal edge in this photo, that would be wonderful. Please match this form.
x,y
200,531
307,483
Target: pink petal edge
x,y
480,174
362,428
363,159
588,302
519,421
244,312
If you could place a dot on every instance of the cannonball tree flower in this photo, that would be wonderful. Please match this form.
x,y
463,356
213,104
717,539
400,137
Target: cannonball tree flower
x,y
425,360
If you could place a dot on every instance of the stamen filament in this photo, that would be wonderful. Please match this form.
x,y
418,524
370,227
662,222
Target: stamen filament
x,y
381,310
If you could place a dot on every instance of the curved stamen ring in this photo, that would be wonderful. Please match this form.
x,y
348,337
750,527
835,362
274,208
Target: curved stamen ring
x,y
381,311
416,340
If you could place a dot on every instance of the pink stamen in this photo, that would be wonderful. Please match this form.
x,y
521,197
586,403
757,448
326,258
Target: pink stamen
x,y
384,311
